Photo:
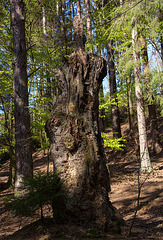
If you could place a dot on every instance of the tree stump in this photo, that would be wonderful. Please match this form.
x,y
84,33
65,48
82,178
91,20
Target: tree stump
x,y
76,144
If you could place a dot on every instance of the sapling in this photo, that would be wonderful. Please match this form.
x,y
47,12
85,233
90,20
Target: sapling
x,y
43,189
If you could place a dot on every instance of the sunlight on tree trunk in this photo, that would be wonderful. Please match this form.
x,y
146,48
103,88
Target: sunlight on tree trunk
x,y
88,24
144,153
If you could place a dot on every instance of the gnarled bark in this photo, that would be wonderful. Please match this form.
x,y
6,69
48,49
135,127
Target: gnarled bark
x,y
76,145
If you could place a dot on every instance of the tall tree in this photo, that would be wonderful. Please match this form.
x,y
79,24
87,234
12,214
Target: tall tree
x,y
23,156
113,91
88,23
130,101
156,148
144,153
6,88
112,84
78,8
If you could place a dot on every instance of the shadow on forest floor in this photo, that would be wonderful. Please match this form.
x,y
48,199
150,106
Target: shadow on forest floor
x,y
124,191
124,169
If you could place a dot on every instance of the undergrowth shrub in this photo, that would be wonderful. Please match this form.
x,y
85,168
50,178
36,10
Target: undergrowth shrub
x,y
117,143
42,189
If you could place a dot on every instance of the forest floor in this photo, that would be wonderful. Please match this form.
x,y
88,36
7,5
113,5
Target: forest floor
x,y
124,168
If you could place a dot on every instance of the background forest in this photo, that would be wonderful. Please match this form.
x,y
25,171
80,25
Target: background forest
x,y
108,26
127,34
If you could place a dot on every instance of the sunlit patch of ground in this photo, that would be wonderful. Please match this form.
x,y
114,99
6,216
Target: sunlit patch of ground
x,y
124,191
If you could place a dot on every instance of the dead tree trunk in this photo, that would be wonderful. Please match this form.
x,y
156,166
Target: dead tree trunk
x,y
76,145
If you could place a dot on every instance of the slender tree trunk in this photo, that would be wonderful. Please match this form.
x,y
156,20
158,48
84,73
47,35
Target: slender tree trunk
x,y
161,34
44,21
159,69
57,20
162,49
112,86
144,153
23,156
8,115
88,23
78,8
48,80
121,3
63,27
130,102
70,21
101,113
156,148
11,179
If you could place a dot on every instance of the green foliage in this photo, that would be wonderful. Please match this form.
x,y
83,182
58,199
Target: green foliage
x,y
156,85
105,108
4,148
40,190
3,143
40,115
105,105
113,142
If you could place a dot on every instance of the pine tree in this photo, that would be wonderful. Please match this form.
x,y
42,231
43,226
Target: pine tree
x,y
156,147
113,91
23,156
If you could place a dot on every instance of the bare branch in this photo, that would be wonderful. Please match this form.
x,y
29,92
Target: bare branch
x,y
30,74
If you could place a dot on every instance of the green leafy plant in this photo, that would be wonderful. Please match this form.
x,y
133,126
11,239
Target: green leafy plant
x,y
40,190
113,142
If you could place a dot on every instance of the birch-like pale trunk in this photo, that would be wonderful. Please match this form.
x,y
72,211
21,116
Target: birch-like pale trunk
x,y
144,153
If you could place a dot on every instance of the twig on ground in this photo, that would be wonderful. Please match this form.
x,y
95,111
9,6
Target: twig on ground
x,y
138,198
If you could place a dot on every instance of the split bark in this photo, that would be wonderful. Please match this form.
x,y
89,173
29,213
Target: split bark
x,y
76,145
